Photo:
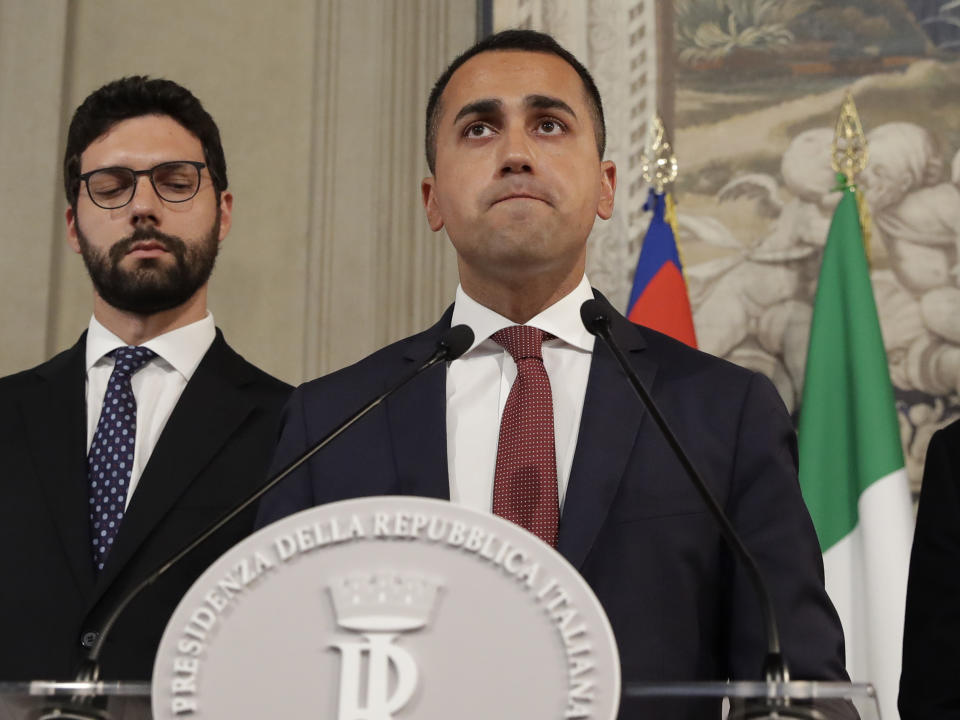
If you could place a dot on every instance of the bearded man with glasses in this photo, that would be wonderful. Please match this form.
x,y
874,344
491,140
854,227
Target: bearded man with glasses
x,y
119,450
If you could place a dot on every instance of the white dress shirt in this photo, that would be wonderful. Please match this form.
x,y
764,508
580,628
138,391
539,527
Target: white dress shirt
x,y
156,386
479,381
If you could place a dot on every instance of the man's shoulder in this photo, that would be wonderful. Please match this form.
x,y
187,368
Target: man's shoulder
x,y
950,435
222,358
674,360
66,361
944,449
677,360
378,370
701,384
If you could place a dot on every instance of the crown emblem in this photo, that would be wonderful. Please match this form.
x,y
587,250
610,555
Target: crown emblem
x,y
385,601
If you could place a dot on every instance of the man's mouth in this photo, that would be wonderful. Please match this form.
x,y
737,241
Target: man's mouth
x,y
518,196
148,249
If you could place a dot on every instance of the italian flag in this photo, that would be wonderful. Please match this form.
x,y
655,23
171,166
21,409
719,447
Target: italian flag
x,y
851,462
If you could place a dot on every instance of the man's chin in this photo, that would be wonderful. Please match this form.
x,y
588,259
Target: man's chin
x,y
521,263
140,261
143,302
149,288
524,245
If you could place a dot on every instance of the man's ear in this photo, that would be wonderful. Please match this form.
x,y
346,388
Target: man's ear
x,y
428,190
226,213
608,188
72,240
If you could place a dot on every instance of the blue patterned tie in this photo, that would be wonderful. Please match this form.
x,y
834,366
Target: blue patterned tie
x,y
110,459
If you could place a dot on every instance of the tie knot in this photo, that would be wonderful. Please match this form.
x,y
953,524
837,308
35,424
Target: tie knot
x,y
522,341
127,360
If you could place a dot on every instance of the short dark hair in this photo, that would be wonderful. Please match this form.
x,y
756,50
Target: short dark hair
x,y
526,40
132,97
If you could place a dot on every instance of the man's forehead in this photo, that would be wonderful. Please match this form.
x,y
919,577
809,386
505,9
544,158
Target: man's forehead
x,y
144,135
511,76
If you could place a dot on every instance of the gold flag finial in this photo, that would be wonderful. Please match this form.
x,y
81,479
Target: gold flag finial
x,y
657,162
849,143
850,158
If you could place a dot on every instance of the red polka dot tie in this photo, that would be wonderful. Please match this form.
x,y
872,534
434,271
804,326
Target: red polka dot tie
x,y
110,460
525,481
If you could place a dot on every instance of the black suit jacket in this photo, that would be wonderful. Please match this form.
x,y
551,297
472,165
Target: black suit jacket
x,y
213,452
680,605
931,633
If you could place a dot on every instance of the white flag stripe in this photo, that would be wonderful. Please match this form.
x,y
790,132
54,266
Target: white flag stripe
x,y
839,563
866,577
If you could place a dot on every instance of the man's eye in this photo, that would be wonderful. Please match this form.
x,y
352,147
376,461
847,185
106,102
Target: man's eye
x,y
108,184
478,130
551,127
104,189
172,184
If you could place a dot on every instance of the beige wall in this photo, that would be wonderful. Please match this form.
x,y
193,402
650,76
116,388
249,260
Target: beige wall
x,y
320,106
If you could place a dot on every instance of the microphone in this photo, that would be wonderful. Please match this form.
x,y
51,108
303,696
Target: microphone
x,y
451,345
596,319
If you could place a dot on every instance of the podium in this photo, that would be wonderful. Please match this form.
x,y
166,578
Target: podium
x,y
395,608
832,700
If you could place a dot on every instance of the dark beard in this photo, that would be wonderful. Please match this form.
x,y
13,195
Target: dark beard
x,y
153,285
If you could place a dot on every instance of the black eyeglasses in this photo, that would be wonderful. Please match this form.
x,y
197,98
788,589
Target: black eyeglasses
x,y
114,187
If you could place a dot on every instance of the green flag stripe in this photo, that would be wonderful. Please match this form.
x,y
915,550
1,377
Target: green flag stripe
x,y
848,434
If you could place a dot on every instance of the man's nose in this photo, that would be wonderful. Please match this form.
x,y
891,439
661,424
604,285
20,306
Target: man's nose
x,y
146,204
518,152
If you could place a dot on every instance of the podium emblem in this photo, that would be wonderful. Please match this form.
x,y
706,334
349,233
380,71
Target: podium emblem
x,y
389,608
379,606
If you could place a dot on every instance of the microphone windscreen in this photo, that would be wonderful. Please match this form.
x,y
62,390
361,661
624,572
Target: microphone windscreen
x,y
594,316
457,340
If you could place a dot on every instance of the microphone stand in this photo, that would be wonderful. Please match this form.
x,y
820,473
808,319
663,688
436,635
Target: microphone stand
x,y
596,320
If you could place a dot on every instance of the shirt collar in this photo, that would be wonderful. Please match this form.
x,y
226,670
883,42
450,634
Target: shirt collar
x,y
182,349
561,319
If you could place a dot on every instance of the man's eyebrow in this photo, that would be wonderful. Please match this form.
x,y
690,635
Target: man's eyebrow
x,y
479,107
546,102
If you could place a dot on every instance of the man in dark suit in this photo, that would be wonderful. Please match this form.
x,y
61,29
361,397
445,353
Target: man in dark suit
x,y
120,450
928,683
515,143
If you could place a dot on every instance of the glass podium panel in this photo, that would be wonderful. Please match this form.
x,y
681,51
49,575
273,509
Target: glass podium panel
x,y
807,700
47,700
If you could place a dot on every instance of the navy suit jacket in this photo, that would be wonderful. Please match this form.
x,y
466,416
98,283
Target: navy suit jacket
x,y
212,453
931,632
681,606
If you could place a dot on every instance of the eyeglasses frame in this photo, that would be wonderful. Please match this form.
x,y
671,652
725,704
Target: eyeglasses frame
x,y
85,179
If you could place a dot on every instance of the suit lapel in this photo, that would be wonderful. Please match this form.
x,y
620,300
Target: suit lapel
x,y
611,418
56,425
208,413
418,420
